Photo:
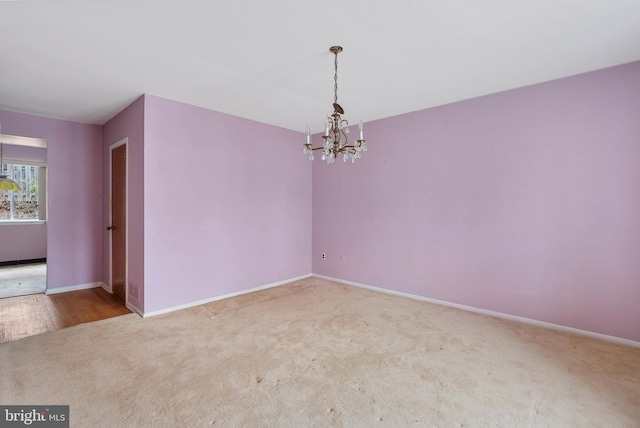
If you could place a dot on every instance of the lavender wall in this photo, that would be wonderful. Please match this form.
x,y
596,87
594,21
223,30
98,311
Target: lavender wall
x,y
129,124
74,165
23,242
24,153
524,202
227,204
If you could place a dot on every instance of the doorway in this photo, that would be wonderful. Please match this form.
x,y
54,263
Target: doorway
x,y
118,220
23,215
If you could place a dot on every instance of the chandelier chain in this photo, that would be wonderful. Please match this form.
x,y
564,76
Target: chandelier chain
x,y
335,80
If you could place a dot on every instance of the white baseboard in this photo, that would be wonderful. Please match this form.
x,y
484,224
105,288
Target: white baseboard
x,y
224,296
73,288
614,339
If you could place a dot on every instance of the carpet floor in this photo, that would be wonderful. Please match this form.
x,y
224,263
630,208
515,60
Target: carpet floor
x,y
316,353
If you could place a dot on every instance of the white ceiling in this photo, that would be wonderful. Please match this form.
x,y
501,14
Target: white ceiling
x,y
269,61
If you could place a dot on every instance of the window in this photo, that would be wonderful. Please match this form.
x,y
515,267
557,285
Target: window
x,y
28,204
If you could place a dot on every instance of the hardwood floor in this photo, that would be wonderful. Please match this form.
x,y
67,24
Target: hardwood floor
x,y
38,313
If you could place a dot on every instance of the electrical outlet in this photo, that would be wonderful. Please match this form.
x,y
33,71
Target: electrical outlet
x,y
324,256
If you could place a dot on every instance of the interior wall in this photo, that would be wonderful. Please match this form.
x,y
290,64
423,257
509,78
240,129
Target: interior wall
x,y
74,168
129,123
25,153
524,202
227,204
23,242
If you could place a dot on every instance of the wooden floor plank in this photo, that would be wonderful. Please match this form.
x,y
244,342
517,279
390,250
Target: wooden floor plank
x,y
38,313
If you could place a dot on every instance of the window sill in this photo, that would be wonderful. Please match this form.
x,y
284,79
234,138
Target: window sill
x,y
20,222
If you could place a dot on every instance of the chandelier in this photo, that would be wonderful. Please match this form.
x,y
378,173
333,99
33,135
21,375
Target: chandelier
x,y
336,130
5,182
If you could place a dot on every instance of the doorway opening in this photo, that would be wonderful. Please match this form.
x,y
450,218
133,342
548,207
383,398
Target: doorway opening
x,y
23,216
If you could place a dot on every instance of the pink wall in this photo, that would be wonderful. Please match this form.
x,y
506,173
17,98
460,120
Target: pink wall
x,y
23,242
227,204
524,202
34,154
129,123
74,163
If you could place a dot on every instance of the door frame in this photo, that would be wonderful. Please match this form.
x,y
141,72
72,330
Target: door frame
x,y
125,142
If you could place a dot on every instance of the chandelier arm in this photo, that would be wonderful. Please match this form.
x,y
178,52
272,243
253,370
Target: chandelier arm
x,y
346,138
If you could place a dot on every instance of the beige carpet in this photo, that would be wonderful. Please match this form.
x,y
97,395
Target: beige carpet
x,y
316,353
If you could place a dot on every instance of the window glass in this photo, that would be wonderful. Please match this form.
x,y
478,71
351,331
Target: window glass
x,y
22,204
